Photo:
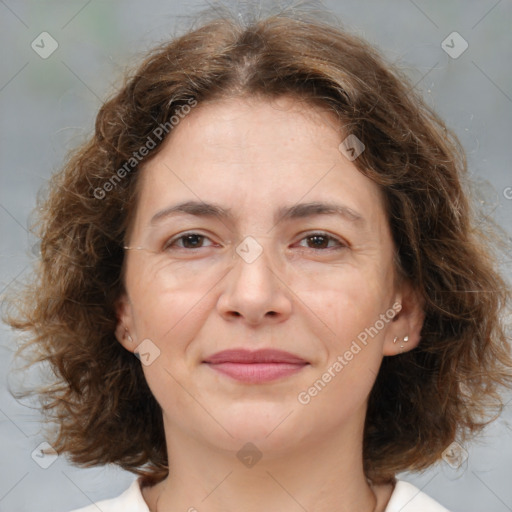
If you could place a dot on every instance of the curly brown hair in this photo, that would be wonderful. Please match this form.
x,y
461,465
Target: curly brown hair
x,y
422,399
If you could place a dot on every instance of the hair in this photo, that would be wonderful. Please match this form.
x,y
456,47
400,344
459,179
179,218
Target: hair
x,y
97,398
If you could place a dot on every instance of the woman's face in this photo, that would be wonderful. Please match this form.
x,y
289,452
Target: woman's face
x,y
254,263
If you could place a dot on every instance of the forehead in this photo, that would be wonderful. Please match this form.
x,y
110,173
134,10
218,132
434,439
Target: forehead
x,y
256,127
252,153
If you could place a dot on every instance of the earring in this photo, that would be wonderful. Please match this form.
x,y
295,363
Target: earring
x,y
406,339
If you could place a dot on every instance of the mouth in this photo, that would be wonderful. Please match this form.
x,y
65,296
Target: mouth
x,y
256,366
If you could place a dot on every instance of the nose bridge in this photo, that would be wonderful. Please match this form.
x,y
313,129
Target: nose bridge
x,y
254,266
253,288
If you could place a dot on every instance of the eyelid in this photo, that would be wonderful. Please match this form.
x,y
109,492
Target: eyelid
x,y
308,234
342,242
179,236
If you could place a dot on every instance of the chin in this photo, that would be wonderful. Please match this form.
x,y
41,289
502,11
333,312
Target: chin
x,y
267,424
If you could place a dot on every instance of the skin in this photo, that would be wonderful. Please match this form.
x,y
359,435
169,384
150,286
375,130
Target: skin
x,y
254,156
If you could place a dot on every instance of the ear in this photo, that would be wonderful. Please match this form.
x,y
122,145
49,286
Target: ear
x,y
124,329
404,332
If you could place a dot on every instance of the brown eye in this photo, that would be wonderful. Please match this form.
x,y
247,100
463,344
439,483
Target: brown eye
x,y
321,241
187,241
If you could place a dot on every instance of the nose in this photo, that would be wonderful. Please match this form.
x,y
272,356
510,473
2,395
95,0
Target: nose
x,y
253,291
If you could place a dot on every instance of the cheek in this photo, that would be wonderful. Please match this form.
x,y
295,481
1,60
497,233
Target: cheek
x,y
348,300
168,298
350,305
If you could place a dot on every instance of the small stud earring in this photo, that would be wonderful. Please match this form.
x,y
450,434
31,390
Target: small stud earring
x,y
406,339
395,339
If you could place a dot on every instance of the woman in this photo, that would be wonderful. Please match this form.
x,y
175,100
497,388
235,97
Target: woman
x,y
273,222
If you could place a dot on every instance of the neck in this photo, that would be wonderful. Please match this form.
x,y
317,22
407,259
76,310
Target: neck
x,y
323,475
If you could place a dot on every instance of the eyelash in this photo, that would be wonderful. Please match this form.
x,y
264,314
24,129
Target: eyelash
x,y
342,245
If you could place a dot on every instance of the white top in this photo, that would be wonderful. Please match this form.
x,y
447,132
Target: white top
x,y
405,498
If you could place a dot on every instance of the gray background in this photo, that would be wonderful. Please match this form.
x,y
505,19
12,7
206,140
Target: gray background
x,y
48,106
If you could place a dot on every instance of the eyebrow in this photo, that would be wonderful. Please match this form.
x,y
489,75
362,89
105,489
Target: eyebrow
x,y
298,211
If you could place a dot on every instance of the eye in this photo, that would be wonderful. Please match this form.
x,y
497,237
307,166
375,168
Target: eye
x,y
188,241
321,241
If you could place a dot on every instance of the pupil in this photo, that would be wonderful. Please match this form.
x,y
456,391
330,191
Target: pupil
x,y
317,239
190,238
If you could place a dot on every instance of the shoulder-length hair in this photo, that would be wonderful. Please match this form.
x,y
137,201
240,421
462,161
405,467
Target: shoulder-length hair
x,y
422,399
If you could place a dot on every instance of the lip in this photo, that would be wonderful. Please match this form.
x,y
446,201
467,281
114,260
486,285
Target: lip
x,y
254,356
255,366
